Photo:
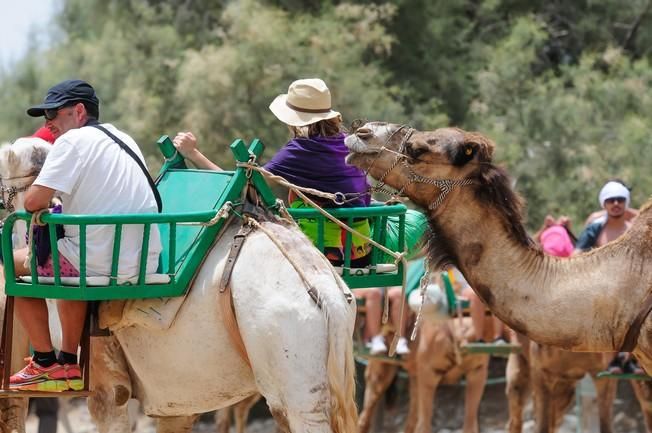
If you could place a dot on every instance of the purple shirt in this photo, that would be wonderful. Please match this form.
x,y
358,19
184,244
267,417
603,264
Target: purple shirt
x,y
318,162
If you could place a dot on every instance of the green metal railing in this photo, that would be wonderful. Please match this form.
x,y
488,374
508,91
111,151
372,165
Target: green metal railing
x,y
175,287
184,247
180,266
377,215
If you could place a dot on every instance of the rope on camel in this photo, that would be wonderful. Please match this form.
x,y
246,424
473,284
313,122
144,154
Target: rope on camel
x,y
398,257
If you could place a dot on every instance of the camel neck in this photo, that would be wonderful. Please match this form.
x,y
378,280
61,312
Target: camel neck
x,y
567,302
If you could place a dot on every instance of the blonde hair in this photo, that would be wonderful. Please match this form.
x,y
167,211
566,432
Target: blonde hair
x,y
323,128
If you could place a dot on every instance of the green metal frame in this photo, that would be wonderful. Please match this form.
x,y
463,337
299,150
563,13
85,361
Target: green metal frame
x,y
184,247
180,272
624,376
377,214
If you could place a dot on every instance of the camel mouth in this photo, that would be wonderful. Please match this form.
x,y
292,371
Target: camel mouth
x,y
356,145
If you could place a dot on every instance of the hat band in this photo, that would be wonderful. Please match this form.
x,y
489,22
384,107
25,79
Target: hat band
x,y
308,110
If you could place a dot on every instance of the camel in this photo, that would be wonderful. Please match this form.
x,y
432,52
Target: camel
x,y
435,359
239,411
300,353
14,181
594,302
551,374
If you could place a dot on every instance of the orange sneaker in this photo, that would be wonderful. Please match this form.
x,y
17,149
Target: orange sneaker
x,y
37,378
73,374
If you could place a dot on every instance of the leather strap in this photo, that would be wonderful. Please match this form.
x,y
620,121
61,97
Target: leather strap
x,y
225,300
135,157
234,252
631,338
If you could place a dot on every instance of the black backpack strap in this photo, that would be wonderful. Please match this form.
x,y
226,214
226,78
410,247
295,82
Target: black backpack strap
x,y
131,153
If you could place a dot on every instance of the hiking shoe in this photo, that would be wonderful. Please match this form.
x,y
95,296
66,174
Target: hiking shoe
x,y
402,346
37,378
500,341
377,345
74,377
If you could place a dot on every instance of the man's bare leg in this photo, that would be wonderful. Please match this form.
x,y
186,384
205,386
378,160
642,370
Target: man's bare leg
x,y
33,315
395,295
72,315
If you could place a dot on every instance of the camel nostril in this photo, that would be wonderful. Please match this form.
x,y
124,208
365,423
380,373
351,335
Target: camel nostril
x,y
364,133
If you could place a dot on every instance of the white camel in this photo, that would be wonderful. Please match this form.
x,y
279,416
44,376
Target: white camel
x,y
300,354
18,170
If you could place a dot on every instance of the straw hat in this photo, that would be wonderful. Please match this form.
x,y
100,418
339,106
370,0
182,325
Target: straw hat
x,y
307,101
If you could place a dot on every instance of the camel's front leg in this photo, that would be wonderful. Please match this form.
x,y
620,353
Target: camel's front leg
x,y
378,376
605,394
427,383
542,401
562,398
475,383
111,385
175,424
240,413
518,388
223,420
643,391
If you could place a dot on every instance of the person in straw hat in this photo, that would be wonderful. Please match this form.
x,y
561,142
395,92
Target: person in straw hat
x,y
314,157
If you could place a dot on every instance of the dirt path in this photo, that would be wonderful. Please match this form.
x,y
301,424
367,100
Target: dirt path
x,y
448,419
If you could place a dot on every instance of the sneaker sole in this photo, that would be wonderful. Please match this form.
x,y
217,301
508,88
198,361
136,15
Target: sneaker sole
x,y
45,386
76,384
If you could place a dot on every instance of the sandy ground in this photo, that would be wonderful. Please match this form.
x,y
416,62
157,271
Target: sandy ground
x,y
448,419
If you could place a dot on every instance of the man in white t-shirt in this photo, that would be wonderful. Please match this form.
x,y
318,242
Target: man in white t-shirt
x,y
93,175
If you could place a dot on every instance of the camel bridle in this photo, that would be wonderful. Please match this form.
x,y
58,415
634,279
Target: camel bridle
x,y
445,185
9,192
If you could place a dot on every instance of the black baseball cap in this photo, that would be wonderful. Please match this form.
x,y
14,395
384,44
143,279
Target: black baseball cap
x,y
64,93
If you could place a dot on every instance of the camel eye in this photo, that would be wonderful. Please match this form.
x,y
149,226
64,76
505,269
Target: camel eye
x,y
415,152
468,151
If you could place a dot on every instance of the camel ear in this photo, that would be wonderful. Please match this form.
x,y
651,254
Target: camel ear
x,y
11,158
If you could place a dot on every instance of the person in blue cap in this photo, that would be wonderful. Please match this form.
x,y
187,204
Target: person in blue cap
x,y
95,169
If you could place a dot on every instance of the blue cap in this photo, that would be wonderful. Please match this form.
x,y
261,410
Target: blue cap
x,y
64,93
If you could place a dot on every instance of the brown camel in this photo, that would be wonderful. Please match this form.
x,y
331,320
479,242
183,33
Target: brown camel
x,y
435,359
240,412
594,302
551,375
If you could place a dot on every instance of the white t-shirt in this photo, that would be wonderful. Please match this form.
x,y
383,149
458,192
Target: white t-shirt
x,y
95,176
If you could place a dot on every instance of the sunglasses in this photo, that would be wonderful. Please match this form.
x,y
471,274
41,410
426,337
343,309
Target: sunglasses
x,y
52,113
613,200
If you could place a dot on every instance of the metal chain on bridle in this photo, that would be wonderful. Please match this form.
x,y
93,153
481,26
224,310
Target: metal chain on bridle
x,y
9,192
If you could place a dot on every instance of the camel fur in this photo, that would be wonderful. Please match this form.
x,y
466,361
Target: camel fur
x,y
585,303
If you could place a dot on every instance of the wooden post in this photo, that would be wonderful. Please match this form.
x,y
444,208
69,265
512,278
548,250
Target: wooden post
x,y
85,352
7,340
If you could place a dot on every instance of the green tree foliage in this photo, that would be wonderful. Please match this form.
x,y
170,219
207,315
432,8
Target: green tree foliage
x,y
563,135
225,90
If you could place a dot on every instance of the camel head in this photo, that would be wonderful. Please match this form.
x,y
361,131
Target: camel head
x,y
413,161
24,157
447,172
20,163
